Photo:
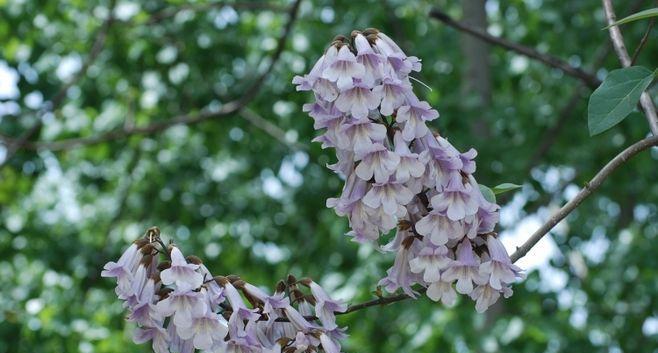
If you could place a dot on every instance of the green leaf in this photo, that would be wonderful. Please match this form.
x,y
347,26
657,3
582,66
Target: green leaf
x,y
487,193
505,187
636,16
616,97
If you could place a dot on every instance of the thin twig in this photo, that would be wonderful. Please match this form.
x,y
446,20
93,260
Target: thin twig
x,y
643,41
54,103
184,119
620,48
269,128
551,134
589,188
380,301
588,78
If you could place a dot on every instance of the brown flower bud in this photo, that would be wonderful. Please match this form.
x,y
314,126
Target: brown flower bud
x,y
233,278
281,287
164,265
194,260
221,280
370,31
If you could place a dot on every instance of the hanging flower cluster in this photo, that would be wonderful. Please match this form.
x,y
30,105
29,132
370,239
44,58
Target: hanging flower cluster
x,y
179,306
398,174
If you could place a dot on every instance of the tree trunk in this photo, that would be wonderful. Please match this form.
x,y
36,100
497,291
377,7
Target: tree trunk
x,y
476,82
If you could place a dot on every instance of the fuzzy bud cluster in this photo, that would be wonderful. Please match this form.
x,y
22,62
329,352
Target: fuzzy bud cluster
x,y
180,307
399,175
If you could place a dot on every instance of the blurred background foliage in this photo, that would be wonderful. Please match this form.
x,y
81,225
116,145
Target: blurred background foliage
x,y
246,191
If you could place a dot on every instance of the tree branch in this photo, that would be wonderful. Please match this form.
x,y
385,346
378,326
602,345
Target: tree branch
x,y
184,119
589,188
643,41
588,78
521,251
269,128
620,48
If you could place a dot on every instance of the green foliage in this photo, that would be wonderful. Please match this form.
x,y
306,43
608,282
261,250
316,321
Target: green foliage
x,y
505,187
617,97
644,14
254,205
488,194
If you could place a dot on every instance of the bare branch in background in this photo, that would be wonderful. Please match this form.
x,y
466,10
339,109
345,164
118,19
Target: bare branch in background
x,y
270,128
620,48
588,78
643,41
551,134
14,145
184,119
589,188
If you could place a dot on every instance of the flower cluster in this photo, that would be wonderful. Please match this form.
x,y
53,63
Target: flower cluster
x,y
179,306
398,174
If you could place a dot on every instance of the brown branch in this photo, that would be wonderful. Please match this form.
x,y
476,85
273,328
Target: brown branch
x,y
13,146
184,119
379,301
620,48
588,78
551,134
589,188
643,41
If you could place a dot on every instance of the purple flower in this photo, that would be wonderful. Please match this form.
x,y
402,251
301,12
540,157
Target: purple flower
x,y
183,305
395,57
484,297
325,307
177,344
342,67
410,164
393,92
329,344
357,99
211,290
457,199
383,178
414,117
124,269
400,275
430,262
324,114
143,311
372,62
443,161
464,269
443,291
377,160
297,320
181,273
389,196
205,330
468,161
240,310
439,228
272,303
358,136
125,266
157,334
499,269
